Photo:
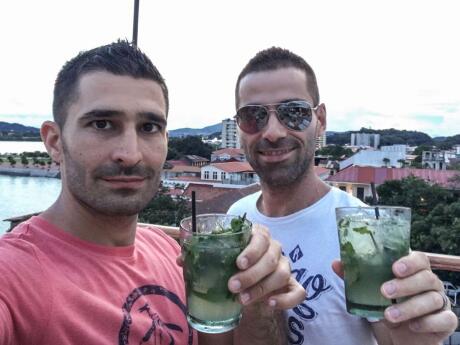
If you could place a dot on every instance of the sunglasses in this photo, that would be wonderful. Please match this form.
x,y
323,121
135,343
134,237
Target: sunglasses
x,y
294,115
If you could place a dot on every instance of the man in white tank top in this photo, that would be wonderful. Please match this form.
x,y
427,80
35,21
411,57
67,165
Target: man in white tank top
x,y
279,115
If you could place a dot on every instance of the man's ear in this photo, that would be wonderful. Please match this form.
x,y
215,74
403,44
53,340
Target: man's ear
x,y
322,120
51,136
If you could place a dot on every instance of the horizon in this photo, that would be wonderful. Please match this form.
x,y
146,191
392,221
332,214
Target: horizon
x,y
327,131
377,64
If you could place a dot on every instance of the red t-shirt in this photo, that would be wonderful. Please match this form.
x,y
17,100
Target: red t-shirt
x,y
58,289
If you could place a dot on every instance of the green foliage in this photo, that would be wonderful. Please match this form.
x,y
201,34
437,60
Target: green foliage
x,y
335,151
164,210
435,216
190,145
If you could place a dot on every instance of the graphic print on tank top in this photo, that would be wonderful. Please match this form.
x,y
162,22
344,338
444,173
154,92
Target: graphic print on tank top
x,y
316,286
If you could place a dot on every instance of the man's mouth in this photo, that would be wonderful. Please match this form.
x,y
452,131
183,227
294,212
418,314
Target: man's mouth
x,y
275,155
124,181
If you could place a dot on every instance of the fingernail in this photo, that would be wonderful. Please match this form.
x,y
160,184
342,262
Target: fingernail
x,y
244,297
243,263
235,285
415,326
401,267
272,303
394,313
390,288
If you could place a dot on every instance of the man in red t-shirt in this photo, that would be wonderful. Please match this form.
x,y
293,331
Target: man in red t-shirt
x,y
81,272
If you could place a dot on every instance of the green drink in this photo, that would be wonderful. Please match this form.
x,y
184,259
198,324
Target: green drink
x,y
370,242
209,261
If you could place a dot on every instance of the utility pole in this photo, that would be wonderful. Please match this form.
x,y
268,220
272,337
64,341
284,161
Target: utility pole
x,y
135,21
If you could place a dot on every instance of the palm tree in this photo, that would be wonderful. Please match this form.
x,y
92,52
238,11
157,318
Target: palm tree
x,y
386,161
402,162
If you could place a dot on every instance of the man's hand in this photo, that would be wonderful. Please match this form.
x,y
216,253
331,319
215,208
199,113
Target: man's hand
x,y
421,318
265,274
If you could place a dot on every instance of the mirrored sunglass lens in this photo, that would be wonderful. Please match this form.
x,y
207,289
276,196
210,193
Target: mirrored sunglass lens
x,y
251,118
295,116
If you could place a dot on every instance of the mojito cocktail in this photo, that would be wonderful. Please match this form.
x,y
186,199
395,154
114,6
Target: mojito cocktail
x,y
370,242
209,261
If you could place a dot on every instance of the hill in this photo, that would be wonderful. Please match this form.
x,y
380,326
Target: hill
x,y
17,128
183,132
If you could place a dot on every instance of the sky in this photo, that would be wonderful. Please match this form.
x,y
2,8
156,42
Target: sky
x,y
379,64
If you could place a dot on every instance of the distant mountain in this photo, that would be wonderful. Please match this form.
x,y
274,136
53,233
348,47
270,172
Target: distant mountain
x,y
183,132
17,128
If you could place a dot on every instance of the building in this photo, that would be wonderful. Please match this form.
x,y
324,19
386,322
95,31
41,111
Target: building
x,y
357,180
321,141
389,157
225,155
230,137
365,139
240,173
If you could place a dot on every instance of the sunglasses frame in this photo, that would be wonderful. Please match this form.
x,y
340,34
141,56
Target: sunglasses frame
x,y
269,110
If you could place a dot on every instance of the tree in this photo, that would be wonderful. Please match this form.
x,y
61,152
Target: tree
x,y
164,210
190,145
24,161
335,151
435,216
12,161
402,162
386,161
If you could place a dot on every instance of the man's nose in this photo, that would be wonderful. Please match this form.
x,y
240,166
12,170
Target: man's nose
x,y
127,151
273,130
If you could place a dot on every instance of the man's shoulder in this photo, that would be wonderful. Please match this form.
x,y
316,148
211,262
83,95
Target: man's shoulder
x,y
243,204
157,237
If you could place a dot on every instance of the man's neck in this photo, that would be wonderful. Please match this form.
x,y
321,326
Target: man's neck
x,y
86,224
279,201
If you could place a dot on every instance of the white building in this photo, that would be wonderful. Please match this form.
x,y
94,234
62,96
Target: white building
x,y
230,137
240,173
376,158
320,141
365,139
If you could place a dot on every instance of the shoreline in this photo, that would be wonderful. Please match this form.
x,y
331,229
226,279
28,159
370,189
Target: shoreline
x,y
53,172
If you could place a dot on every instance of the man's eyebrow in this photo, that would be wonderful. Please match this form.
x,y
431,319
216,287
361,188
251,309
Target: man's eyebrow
x,y
109,113
100,113
148,115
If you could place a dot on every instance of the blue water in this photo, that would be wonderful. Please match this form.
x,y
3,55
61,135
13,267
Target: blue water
x,y
24,195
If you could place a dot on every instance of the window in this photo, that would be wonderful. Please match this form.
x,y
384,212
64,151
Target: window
x,y
214,175
360,193
206,175
222,175
343,188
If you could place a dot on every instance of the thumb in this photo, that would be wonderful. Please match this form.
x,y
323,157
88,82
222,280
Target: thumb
x,y
337,267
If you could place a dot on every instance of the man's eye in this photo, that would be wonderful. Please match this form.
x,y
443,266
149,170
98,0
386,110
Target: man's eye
x,y
150,127
101,124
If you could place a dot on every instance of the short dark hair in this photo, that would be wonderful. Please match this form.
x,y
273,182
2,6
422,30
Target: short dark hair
x,y
120,58
275,58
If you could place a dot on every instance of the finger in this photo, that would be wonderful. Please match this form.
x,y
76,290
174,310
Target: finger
x,y
417,306
267,264
417,283
410,264
444,322
180,260
260,241
277,280
288,298
337,267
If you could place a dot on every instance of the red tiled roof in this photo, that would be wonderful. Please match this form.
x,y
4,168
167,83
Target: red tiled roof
x,y
229,151
184,168
320,170
366,175
175,162
231,167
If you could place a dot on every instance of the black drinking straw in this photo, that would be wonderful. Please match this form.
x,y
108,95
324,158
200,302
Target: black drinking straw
x,y
374,200
193,212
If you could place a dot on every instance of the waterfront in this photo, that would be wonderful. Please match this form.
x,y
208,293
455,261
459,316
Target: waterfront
x,y
24,195
21,146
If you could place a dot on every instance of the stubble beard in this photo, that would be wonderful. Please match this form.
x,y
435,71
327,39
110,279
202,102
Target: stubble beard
x,y
284,174
108,202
